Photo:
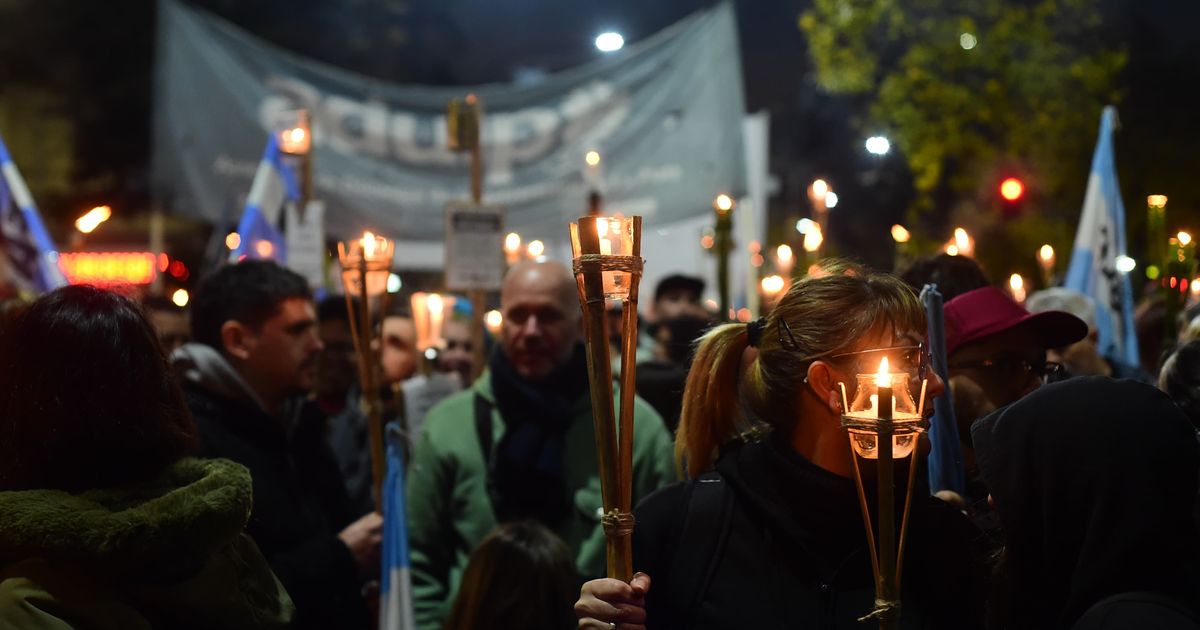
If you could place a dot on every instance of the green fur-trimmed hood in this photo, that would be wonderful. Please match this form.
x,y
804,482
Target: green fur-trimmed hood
x,y
168,526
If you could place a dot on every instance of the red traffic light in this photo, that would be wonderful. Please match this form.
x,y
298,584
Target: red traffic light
x,y
1012,189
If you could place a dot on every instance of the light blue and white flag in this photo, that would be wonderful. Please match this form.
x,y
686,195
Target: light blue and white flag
x,y
30,255
395,593
274,184
1099,240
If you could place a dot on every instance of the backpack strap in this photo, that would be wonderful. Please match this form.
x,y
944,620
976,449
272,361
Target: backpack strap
x,y
483,430
701,544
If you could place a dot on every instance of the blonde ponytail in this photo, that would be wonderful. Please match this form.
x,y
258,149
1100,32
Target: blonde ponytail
x,y
710,399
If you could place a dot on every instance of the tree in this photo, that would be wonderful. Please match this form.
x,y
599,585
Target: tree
x,y
971,93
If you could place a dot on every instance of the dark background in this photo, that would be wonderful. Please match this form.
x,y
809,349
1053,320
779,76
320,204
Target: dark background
x,y
83,72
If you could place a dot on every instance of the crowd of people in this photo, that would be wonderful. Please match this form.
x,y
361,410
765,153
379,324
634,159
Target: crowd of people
x,y
212,468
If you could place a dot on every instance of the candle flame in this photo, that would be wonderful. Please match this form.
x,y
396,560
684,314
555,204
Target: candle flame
x,y
883,378
962,239
1046,253
784,253
512,243
368,245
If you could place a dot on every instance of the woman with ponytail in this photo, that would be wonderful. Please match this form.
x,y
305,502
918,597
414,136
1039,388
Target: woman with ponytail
x,y
767,532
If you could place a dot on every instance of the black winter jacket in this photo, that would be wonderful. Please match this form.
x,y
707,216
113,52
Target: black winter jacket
x,y
300,504
795,555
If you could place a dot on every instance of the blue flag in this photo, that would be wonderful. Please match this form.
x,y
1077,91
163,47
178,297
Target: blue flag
x,y
274,184
945,456
395,593
1099,240
29,254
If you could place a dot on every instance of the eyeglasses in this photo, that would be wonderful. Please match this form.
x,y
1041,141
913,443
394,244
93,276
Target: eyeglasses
x,y
914,360
1013,367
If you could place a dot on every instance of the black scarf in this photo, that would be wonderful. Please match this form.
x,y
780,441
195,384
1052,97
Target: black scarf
x,y
527,474
1094,481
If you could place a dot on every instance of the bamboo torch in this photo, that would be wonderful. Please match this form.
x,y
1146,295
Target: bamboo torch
x,y
608,266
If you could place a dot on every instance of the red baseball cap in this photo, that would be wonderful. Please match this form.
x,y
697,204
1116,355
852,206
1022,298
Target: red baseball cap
x,y
984,312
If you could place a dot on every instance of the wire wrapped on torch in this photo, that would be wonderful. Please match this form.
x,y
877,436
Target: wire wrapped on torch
x,y
608,265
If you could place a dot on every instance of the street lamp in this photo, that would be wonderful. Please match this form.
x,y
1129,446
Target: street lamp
x,y
878,145
723,205
610,42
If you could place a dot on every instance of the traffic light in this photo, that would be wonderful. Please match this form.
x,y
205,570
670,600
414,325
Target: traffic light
x,y
1012,189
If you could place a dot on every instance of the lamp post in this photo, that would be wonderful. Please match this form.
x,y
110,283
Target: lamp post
x,y
723,205
1156,234
608,266
884,424
366,264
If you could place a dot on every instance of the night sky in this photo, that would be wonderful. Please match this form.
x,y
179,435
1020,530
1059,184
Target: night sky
x,y
97,57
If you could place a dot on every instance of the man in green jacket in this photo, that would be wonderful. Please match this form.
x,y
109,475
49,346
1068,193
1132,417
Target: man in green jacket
x,y
519,444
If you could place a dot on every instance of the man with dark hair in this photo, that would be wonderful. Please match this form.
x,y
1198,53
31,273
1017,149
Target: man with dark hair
x,y
953,275
677,295
254,356
339,395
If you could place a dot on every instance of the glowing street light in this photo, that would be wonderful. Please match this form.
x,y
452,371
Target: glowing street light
x,y
93,218
805,225
180,297
610,42
1125,264
1184,238
878,145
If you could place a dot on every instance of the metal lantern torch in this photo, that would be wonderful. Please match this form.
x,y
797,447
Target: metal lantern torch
x,y
608,266
366,264
884,424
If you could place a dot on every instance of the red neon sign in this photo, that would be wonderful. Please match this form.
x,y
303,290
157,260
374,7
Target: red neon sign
x,y
108,268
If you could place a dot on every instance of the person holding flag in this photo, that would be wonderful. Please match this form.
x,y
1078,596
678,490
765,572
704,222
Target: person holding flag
x,y
274,184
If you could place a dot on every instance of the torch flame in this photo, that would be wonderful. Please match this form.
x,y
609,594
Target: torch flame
x,y
883,378
434,304
368,245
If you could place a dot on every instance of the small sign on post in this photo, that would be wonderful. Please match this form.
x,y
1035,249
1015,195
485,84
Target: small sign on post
x,y
474,246
305,237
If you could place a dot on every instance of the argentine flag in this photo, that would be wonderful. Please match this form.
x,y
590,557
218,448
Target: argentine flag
x,y
395,593
29,255
274,183
1100,239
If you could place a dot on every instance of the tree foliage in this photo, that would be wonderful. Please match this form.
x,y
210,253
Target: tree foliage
x,y
972,92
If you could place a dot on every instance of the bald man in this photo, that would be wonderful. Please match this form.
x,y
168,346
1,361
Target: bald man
x,y
519,444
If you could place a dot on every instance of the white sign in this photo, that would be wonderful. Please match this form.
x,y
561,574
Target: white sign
x,y
306,242
474,247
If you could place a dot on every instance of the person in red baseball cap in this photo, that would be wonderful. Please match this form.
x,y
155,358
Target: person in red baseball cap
x,y
996,354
